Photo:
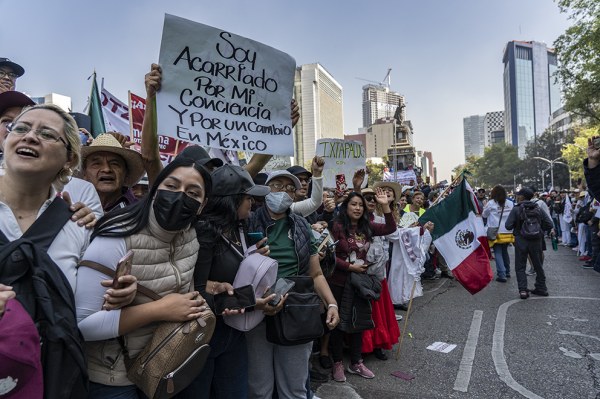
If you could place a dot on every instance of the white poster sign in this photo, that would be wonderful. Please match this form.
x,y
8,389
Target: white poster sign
x,y
342,157
224,91
401,176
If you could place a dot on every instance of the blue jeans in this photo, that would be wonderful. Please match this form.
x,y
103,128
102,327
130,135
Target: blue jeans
x,y
225,374
502,260
101,391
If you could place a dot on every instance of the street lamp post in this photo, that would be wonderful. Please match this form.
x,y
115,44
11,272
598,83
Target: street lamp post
x,y
569,170
552,169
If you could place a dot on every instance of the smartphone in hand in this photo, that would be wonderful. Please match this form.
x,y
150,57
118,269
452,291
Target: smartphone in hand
x,y
242,298
254,237
123,268
281,287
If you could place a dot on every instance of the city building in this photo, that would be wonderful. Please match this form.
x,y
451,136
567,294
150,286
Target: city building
x,y
379,102
531,94
563,122
319,97
493,126
474,135
63,102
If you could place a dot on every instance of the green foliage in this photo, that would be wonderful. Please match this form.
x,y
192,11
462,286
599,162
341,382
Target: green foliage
x,y
575,153
498,165
578,52
375,172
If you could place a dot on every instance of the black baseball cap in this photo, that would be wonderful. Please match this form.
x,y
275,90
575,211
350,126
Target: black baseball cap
x,y
298,170
525,192
233,180
199,154
17,69
10,99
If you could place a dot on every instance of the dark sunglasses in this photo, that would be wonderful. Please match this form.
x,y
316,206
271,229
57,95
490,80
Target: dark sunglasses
x,y
369,198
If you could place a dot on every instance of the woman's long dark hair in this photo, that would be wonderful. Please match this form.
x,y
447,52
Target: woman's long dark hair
x,y
498,194
133,218
221,213
363,226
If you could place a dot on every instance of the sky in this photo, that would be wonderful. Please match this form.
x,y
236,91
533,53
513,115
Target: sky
x,y
445,55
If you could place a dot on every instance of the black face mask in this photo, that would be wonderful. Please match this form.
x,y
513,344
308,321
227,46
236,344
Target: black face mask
x,y
174,210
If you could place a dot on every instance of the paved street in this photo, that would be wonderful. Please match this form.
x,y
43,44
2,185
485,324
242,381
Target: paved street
x,y
542,347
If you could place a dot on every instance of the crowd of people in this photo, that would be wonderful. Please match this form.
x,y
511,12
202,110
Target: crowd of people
x,y
67,205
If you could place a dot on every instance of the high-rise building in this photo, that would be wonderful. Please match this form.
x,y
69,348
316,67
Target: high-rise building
x,y
474,135
531,93
493,126
379,102
319,97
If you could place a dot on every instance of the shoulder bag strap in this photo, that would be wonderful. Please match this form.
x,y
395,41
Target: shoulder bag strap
x,y
46,227
243,241
111,273
501,213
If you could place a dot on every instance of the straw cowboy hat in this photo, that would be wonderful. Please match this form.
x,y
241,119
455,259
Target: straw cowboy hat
x,y
133,159
391,184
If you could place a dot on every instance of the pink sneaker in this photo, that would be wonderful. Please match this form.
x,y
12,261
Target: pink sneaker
x,y
360,369
338,372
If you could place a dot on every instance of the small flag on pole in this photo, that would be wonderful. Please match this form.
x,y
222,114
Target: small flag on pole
x,y
95,110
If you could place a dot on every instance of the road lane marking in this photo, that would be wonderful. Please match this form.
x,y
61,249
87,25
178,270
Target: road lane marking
x,y
466,364
498,345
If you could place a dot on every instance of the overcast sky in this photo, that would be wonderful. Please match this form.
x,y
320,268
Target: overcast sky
x,y
445,55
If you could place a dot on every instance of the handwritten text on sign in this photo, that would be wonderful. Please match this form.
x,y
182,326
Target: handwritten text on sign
x,y
341,157
224,91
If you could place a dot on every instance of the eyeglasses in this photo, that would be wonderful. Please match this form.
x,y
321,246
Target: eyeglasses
x,y
369,198
305,179
44,134
290,188
10,75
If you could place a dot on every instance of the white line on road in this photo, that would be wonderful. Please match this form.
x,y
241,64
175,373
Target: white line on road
x,y
498,345
466,364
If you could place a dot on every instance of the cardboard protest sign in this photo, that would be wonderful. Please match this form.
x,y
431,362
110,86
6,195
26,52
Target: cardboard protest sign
x,y
167,146
341,157
224,91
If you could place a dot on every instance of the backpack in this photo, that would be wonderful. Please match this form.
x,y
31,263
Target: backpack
x,y
43,290
531,221
259,271
585,214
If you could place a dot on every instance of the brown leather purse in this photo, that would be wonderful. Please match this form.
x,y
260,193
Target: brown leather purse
x,y
174,356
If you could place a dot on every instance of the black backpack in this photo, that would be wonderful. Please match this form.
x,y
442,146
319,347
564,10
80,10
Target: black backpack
x,y
585,214
531,221
46,294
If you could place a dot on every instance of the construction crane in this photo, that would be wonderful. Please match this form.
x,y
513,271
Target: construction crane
x,y
386,82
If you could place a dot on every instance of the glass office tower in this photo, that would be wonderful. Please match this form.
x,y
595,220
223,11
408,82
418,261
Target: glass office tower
x,y
531,93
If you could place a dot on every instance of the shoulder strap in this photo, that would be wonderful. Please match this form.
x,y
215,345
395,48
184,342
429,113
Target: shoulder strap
x,y
243,241
111,273
45,228
501,213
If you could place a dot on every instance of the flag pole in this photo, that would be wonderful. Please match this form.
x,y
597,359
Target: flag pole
x,y
439,198
412,295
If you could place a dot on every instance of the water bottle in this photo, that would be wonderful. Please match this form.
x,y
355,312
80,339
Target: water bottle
x,y
554,243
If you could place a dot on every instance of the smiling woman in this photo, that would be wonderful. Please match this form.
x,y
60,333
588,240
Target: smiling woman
x,y
40,151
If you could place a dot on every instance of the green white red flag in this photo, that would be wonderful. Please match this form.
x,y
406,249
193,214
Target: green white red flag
x,y
459,236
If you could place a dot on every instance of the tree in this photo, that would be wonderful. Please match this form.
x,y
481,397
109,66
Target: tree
x,y
498,165
575,153
578,53
375,172
548,145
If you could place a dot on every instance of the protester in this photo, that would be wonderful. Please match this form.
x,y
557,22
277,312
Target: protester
x,y
529,214
292,244
223,242
9,72
113,170
386,332
496,212
11,105
354,233
41,150
416,204
160,231
302,205
393,192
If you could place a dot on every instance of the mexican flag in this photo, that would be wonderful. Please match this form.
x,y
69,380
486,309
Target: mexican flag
x,y
460,238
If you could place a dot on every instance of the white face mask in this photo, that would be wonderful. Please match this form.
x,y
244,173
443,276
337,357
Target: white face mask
x,y
278,202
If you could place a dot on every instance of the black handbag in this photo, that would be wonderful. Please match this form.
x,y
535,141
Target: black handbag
x,y
299,321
